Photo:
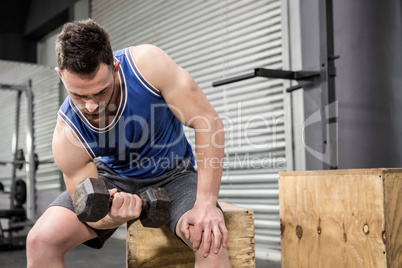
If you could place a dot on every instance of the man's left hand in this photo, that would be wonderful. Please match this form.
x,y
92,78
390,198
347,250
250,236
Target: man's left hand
x,y
205,223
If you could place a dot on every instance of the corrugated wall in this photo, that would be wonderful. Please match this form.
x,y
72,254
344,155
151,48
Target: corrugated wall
x,y
45,84
215,40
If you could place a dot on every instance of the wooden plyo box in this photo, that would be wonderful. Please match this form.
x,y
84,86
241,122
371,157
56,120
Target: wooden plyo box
x,y
158,247
341,218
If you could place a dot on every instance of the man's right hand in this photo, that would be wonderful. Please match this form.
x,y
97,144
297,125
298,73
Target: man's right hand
x,y
124,207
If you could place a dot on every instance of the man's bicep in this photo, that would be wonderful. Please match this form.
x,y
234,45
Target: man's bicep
x,y
71,158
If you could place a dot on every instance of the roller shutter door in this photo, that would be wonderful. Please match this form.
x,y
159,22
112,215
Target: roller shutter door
x,y
215,40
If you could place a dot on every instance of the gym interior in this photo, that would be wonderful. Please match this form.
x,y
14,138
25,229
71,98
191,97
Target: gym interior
x,y
301,86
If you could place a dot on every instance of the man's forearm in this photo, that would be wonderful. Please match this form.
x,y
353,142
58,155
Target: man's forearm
x,y
105,223
210,152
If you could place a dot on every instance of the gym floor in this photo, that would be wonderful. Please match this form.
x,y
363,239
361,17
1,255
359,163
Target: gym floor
x,y
112,255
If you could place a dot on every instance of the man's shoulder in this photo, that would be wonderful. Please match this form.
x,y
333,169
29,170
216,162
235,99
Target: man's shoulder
x,y
144,48
145,51
153,63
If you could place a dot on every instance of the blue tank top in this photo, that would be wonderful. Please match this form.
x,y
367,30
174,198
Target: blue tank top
x,y
144,140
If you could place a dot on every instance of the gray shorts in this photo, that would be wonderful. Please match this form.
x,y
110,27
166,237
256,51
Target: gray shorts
x,y
180,184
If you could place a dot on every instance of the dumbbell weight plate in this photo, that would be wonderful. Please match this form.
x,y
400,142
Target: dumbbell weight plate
x,y
156,207
89,192
20,192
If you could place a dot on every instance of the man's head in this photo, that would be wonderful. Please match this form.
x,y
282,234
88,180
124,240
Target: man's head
x,y
86,67
82,46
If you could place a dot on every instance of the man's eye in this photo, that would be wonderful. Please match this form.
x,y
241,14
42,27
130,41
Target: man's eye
x,y
81,97
101,93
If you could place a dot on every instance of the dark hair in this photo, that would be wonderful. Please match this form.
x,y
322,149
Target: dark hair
x,y
82,46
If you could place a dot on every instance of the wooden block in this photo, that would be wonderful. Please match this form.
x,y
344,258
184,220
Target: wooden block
x,y
341,218
158,247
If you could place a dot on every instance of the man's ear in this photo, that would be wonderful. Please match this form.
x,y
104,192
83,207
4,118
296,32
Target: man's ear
x,y
116,66
59,72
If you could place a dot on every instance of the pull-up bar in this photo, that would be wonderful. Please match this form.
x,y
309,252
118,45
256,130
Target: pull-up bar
x,y
270,73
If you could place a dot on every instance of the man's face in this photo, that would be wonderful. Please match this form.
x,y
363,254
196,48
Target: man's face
x,y
93,93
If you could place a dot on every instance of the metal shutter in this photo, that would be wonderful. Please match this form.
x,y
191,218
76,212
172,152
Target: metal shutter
x,y
45,84
214,40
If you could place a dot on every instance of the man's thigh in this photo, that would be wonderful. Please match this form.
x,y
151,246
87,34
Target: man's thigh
x,y
182,191
101,236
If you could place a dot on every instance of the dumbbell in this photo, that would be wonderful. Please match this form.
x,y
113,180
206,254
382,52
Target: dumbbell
x,y
92,202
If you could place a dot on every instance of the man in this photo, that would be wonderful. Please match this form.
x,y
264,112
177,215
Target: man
x,y
126,109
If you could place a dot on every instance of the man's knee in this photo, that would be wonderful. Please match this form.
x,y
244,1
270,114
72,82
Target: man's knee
x,y
45,248
220,259
39,239
57,230
40,248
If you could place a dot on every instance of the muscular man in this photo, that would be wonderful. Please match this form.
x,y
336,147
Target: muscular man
x,y
122,122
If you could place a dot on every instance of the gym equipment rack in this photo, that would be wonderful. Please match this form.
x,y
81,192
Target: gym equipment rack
x,y
16,211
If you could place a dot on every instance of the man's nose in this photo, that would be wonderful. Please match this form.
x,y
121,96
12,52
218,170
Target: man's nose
x,y
91,106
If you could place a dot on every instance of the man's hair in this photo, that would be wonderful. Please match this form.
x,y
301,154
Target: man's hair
x,y
82,46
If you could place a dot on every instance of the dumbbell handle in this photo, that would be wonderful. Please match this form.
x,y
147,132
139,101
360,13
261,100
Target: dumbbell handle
x,y
149,209
143,204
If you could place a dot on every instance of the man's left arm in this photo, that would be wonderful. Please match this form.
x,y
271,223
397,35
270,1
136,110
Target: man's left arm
x,y
189,104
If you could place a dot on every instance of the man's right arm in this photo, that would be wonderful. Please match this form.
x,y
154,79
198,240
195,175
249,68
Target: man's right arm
x,y
75,163
71,158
